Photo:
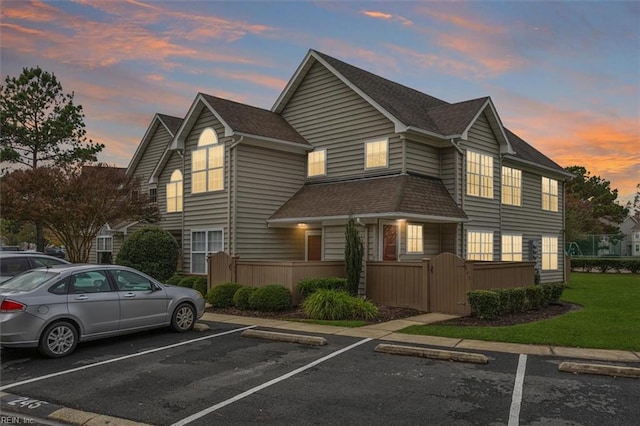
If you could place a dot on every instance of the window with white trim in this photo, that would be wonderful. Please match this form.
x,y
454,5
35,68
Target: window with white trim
x,y
202,243
415,239
317,163
549,253
174,192
511,186
511,248
549,194
479,245
207,163
377,154
479,175
104,249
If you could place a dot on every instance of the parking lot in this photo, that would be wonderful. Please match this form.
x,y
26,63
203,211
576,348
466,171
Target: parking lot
x,y
220,377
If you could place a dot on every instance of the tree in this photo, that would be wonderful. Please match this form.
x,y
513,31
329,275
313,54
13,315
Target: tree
x,y
634,205
151,250
591,206
353,252
40,125
74,203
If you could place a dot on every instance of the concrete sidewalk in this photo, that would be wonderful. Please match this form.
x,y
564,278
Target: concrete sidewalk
x,y
387,331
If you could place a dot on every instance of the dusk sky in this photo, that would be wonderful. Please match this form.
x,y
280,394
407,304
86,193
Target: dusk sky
x,y
565,76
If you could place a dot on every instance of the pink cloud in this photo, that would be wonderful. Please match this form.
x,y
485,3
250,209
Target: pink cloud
x,y
376,14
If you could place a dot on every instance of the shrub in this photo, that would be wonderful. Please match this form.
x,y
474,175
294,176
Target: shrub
x,y
589,264
152,251
535,296
363,309
200,284
328,305
552,292
221,296
271,298
485,304
242,296
308,286
175,280
515,299
187,281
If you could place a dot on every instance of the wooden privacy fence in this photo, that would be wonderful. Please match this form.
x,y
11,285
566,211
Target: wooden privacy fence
x,y
438,284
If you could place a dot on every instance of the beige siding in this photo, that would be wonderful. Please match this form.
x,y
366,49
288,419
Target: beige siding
x,y
333,117
423,159
484,213
158,142
266,180
334,242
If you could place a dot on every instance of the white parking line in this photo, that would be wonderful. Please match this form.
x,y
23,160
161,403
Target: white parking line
x,y
84,367
516,400
251,391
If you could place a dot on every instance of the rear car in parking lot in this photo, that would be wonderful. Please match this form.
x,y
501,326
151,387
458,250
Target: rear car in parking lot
x,y
55,308
14,262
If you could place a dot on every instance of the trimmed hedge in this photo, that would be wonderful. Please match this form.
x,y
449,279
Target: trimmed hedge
x,y
308,286
221,296
187,281
200,284
490,304
606,264
242,296
270,298
327,304
151,250
175,280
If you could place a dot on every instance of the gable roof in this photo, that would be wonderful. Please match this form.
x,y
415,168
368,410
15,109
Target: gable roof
x,y
528,154
241,120
395,196
170,123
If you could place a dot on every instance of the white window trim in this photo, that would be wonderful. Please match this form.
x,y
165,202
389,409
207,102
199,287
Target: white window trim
x,y
514,189
480,231
104,238
366,154
544,254
207,147
207,249
502,252
177,198
421,226
324,173
553,207
480,175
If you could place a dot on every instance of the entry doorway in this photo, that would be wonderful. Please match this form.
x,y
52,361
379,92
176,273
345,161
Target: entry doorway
x,y
390,241
313,245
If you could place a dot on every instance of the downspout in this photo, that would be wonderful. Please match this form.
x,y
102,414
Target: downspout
x,y
459,184
182,218
232,205
403,141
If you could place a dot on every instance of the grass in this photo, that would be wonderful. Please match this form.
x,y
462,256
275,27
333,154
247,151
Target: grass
x,y
610,318
335,323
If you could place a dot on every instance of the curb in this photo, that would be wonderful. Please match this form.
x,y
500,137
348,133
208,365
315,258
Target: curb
x,y
600,369
432,353
285,337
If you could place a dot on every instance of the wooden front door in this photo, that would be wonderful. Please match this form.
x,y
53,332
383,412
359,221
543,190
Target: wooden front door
x,y
389,242
314,247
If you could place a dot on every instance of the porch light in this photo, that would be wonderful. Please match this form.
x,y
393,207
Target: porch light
x,y
302,225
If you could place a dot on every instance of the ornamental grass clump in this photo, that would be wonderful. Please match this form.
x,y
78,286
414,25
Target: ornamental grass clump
x,y
336,305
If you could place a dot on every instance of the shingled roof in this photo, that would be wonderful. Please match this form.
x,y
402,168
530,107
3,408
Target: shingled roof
x,y
255,121
401,195
172,123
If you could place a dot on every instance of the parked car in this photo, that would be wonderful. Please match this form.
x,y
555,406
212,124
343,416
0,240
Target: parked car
x,y
10,248
14,262
55,308
55,252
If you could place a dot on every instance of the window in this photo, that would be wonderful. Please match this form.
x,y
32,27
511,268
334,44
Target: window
x,y
174,192
130,281
549,194
376,154
511,186
479,245
415,242
89,282
317,163
207,164
511,248
549,253
104,248
479,175
153,195
203,243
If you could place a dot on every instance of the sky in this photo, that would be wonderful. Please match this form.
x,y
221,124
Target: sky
x,y
563,75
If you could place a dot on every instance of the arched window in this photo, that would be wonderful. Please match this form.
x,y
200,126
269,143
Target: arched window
x,y
207,163
174,192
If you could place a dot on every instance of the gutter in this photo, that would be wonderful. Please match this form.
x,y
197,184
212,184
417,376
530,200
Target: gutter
x,y
233,205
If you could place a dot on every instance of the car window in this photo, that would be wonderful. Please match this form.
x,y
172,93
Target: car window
x,y
44,261
89,282
29,280
11,266
130,281
60,287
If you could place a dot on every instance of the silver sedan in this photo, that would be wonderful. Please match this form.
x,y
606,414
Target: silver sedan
x,y
55,308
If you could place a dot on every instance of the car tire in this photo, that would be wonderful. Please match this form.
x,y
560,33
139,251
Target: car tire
x,y
59,339
184,318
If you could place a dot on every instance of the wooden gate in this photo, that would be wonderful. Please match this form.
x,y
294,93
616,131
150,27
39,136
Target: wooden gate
x,y
449,282
221,269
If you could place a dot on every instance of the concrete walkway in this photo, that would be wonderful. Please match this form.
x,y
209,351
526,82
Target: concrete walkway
x,y
387,331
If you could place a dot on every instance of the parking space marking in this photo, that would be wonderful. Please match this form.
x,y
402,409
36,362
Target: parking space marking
x,y
251,391
516,400
122,358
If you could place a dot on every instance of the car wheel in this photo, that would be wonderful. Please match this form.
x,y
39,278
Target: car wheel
x,y
184,318
59,339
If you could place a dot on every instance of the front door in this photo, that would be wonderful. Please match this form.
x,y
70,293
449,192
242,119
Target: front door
x,y
389,242
314,246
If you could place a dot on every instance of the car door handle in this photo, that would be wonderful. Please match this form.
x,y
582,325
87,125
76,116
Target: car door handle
x,y
82,297
129,295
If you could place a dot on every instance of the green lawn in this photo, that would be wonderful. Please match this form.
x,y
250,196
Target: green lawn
x,y
610,318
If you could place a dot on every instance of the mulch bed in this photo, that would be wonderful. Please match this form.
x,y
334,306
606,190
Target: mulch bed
x,y
389,313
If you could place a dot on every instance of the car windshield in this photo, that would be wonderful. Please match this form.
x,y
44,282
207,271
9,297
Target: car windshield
x,y
29,280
